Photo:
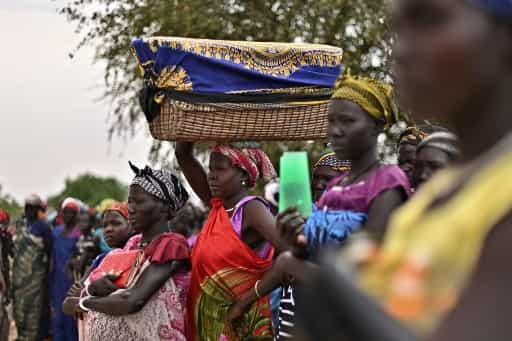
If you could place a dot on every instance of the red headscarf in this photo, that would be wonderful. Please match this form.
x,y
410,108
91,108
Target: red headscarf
x,y
253,161
4,216
71,204
121,207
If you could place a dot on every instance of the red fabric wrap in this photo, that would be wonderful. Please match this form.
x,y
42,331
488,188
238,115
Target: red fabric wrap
x,y
167,247
222,260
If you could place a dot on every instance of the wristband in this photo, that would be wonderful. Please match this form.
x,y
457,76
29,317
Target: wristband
x,y
81,303
87,292
256,291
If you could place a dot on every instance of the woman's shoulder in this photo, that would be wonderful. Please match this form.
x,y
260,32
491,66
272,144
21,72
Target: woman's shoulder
x,y
251,203
388,177
390,171
255,200
167,247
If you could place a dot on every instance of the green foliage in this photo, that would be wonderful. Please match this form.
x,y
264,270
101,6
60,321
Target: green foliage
x,y
10,205
91,190
359,27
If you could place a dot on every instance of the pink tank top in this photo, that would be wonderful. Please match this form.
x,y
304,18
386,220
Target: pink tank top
x,y
238,217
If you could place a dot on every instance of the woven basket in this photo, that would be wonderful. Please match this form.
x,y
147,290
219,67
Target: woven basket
x,y
181,121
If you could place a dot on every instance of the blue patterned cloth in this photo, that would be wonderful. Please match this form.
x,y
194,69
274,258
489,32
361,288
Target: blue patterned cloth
x,y
498,8
198,65
331,228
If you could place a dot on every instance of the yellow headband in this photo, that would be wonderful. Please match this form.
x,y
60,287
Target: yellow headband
x,y
376,98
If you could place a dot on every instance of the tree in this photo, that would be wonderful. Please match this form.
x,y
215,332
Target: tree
x,y
359,27
91,190
10,205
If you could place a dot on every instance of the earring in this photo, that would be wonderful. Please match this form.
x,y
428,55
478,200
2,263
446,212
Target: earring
x,y
244,183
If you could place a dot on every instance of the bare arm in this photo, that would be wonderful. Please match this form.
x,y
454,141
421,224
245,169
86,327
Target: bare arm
x,y
134,299
193,170
258,217
380,211
285,268
70,305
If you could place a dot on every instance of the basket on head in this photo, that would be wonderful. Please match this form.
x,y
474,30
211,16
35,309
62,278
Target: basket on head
x,y
233,91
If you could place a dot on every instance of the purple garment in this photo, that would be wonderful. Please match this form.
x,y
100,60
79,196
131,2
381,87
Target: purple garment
x,y
191,241
358,197
237,221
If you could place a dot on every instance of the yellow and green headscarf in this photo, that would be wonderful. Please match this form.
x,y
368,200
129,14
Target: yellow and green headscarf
x,y
375,97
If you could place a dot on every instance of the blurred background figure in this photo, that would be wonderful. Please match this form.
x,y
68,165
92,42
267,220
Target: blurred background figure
x,y
65,237
32,249
272,195
325,169
87,246
5,250
433,154
105,203
408,143
188,222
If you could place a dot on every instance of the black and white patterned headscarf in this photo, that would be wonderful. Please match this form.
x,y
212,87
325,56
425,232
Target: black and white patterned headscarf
x,y
444,141
162,184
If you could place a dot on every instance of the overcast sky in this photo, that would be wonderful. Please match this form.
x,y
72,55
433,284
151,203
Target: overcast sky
x,y
52,125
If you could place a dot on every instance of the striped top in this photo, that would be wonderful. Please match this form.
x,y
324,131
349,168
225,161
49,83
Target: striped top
x,y
286,314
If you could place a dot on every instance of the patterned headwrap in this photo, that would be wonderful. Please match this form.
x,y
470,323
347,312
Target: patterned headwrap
x,y
121,207
4,216
445,141
162,184
249,158
375,97
497,8
104,204
412,135
329,159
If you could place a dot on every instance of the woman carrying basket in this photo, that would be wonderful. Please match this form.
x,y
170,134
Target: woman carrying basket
x,y
361,199
236,245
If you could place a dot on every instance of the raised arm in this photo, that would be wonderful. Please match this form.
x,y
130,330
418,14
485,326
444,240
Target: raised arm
x,y
134,299
193,170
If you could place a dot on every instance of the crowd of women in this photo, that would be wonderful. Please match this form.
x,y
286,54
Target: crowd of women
x,y
44,254
413,251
